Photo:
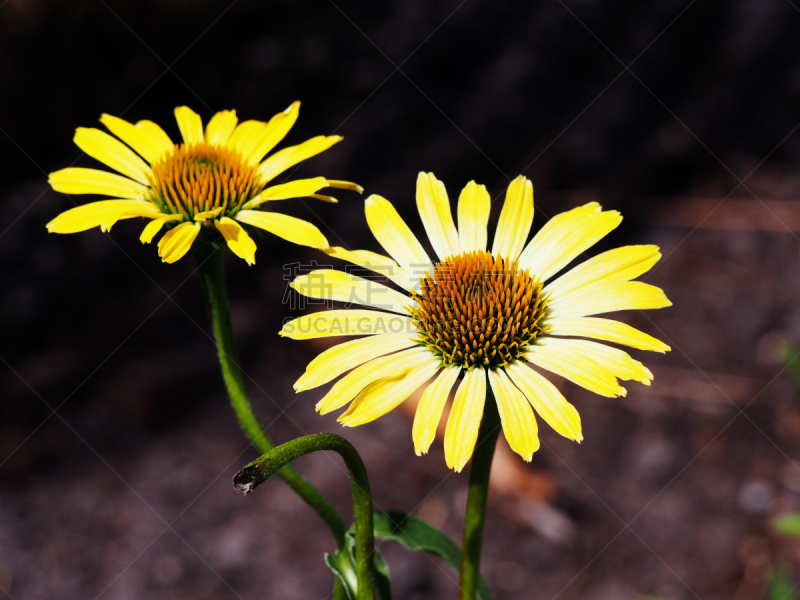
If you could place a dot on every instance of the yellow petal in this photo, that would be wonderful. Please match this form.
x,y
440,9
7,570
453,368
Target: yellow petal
x,y
617,361
294,189
255,138
103,213
434,209
148,142
190,124
331,323
564,237
431,406
289,228
382,265
343,357
241,244
289,157
515,220
474,205
580,370
221,127
177,241
385,395
356,380
75,180
619,264
394,235
461,432
547,401
609,297
110,151
516,415
328,284
154,226
606,329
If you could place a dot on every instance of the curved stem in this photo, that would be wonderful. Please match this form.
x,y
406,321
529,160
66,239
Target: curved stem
x,y
258,471
209,265
476,499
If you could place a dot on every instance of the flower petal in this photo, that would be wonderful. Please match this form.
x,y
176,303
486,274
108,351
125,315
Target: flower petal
x,y
434,209
177,241
329,284
190,124
383,396
609,297
255,138
348,355
516,415
431,406
465,419
289,157
564,237
103,213
145,140
474,206
515,220
221,127
608,330
241,244
110,151
547,401
331,323
580,370
383,265
394,235
614,360
293,189
289,228
75,180
154,226
349,386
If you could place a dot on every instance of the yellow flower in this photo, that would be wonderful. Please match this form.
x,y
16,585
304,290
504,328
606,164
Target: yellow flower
x,y
480,315
214,179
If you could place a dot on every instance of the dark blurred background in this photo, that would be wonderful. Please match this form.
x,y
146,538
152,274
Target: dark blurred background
x,y
117,446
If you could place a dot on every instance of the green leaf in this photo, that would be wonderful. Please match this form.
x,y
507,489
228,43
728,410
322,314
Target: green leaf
x,y
418,536
788,524
343,565
790,356
781,586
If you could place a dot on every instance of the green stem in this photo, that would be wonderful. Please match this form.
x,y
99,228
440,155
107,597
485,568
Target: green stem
x,y
258,471
476,499
209,266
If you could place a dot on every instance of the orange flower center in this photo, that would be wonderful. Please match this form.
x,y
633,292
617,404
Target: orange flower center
x,y
476,309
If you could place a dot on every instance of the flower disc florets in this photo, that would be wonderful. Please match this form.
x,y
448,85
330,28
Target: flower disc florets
x,y
199,178
476,309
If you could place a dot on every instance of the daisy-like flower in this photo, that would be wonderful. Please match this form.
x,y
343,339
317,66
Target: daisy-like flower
x,y
216,178
479,315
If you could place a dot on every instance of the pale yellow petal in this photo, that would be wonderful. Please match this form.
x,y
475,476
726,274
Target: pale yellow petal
x,y
609,297
329,284
148,142
431,406
332,323
294,189
76,180
289,228
394,235
515,220
614,360
606,329
154,226
255,138
580,370
349,386
465,417
110,151
547,401
619,264
289,157
241,244
103,214
434,209
516,415
190,124
382,265
474,205
177,241
564,237
221,127
383,396
348,355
